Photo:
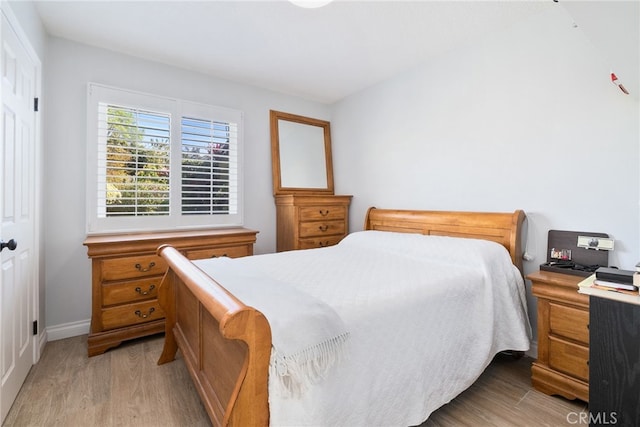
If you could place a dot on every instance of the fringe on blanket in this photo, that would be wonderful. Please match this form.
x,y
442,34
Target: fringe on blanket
x,y
297,372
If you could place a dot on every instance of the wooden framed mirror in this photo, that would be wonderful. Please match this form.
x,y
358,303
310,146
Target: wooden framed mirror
x,y
300,154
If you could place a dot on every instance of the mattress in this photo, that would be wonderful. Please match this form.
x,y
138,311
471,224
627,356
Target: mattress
x,y
425,316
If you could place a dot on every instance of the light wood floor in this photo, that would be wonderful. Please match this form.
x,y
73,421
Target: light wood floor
x,y
125,387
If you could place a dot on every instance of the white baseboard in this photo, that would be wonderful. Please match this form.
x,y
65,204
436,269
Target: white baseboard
x,y
67,330
42,341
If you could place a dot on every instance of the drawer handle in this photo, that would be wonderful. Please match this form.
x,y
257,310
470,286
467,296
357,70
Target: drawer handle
x,y
141,292
324,227
324,244
142,269
144,316
324,212
216,256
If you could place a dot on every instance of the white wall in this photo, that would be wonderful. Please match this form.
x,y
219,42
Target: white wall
x,y
70,67
27,15
525,119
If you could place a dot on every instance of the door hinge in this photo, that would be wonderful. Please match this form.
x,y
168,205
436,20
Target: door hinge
x,y
35,327
35,104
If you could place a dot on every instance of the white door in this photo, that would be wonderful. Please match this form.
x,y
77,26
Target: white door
x,y
18,267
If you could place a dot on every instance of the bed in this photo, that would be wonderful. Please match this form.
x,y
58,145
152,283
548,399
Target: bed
x,y
434,297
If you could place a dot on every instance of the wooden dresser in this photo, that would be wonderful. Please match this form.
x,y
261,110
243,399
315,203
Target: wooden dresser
x,y
126,273
311,221
562,366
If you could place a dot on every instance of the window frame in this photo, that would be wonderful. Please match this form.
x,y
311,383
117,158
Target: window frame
x,y
177,109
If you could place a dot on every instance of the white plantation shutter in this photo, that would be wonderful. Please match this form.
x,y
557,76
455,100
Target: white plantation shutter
x,y
158,163
133,161
209,167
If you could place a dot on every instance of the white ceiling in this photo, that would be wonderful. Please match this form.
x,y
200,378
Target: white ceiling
x,y
320,54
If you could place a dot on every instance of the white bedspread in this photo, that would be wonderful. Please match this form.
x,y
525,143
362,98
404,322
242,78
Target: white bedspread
x,y
426,315
307,335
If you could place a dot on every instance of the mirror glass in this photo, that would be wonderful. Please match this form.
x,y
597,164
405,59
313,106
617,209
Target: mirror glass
x,y
301,154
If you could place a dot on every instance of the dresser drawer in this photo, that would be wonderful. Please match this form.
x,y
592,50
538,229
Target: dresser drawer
x,y
133,267
319,242
316,213
230,251
131,314
570,358
321,228
130,291
569,322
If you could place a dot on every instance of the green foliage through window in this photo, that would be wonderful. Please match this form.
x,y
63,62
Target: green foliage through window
x,y
137,169
206,166
137,162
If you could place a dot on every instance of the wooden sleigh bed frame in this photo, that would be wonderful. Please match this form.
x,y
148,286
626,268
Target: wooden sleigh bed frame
x,y
226,345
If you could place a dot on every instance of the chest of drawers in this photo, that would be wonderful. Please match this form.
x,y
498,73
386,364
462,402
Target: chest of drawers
x,y
562,366
126,274
311,221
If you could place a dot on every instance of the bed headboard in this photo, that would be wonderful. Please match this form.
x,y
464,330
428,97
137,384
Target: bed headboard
x,y
503,228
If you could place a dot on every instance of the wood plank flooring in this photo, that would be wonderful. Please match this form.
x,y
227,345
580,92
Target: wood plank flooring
x,y
503,396
125,387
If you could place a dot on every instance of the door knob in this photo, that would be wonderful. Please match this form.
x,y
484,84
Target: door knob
x,y
11,245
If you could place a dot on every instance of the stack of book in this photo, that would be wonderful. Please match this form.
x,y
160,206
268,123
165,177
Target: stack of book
x,y
613,278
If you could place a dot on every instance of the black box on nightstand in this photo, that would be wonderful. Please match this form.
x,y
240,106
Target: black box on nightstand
x,y
564,255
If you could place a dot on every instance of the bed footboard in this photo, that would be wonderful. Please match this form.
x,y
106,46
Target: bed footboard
x,y
225,344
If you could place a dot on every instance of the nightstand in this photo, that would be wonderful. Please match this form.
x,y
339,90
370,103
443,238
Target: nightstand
x,y
562,366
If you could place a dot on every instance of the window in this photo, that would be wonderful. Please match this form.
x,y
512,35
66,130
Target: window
x,y
208,173
158,163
